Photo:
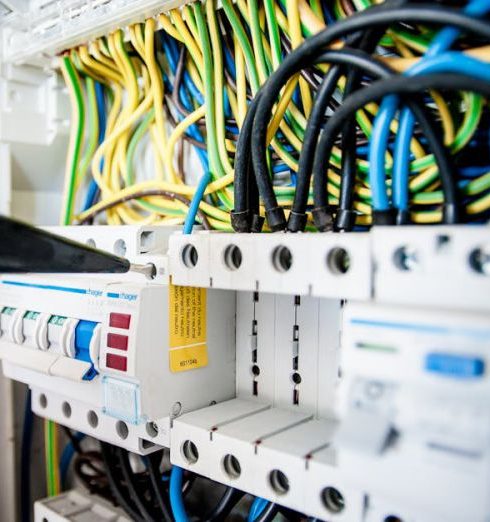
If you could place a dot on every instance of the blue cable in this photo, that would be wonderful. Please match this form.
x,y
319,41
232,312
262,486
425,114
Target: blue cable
x,y
282,167
172,54
475,172
447,62
446,37
386,113
195,201
229,62
193,131
93,188
379,136
258,505
175,493
67,455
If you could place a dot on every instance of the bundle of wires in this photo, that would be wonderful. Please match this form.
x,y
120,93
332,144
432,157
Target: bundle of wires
x,y
219,116
452,72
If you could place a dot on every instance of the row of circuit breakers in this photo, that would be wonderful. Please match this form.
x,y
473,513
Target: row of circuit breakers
x,y
309,388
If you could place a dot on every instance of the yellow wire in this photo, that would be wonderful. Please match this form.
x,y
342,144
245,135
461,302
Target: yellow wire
x,y
156,86
177,134
241,83
188,39
292,9
218,87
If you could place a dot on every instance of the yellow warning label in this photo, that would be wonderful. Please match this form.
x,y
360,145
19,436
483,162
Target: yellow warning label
x,y
187,328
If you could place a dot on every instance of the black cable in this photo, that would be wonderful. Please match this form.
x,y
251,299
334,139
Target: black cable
x,y
445,164
74,441
157,484
323,214
228,501
345,217
244,181
290,514
345,57
115,479
309,50
297,217
134,489
25,460
306,74
375,92
90,470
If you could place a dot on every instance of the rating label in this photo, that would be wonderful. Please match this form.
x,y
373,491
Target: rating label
x,y
187,328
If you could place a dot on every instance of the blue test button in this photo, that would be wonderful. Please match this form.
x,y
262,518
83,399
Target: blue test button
x,y
457,366
83,335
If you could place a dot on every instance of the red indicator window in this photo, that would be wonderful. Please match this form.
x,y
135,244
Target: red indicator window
x,y
116,362
119,320
119,342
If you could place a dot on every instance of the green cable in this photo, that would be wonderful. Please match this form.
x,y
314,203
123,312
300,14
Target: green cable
x,y
218,89
133,144
244,44
127,59
420,43
93,128
75,159
478,185
274,35
316,7
360,5
470,123
276,56
473,188
130,177
216,168
463,136
50,460
250,61
256,32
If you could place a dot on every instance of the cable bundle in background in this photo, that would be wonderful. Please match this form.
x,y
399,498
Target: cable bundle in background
x,y
312,115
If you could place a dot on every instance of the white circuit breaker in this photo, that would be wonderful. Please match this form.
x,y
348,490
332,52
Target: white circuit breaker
x,y
415,410
118,356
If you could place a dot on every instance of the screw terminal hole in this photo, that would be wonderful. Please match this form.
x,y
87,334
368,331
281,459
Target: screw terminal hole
x,y
92,419
338,261
232,257
279,482
406,259
122,429
232,467
66,409
333,500
479,260
190,256
43,401
151,429
120,248
282,258
190,452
